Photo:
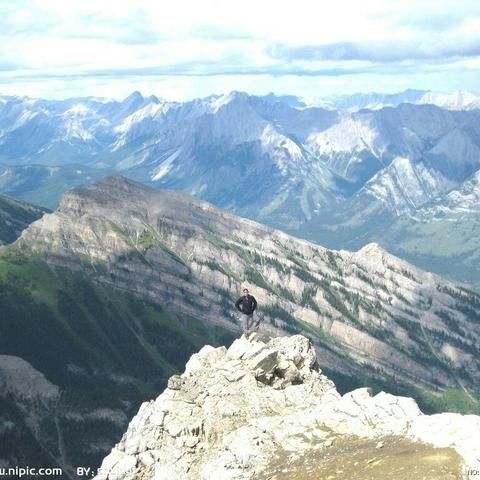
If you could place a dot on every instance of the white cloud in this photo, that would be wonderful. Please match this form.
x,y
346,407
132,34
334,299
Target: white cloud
x,y
185,47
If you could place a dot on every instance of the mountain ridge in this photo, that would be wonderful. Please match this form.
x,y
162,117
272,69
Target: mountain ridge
x,y
126,235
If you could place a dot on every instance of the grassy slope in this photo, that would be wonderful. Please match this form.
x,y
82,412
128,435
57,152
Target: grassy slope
x,y
450,248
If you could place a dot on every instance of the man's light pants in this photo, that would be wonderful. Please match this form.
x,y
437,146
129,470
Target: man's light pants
x,y
250,322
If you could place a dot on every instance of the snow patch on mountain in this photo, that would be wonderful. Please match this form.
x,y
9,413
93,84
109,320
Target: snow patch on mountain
x,y
217,102
350,134
24,118
457,203
459,100
280,147
404,186
78,110
73,125
166,165
149,112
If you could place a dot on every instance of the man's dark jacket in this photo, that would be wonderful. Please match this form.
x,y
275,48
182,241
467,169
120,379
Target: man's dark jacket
x,y
246,304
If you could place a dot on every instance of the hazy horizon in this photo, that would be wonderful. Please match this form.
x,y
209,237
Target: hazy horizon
x,y
120,98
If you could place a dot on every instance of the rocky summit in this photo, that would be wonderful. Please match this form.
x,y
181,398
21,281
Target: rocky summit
x,y
262,409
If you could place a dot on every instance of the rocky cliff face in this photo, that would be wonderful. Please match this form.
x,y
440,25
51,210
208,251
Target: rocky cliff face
x,y
256,409
368,312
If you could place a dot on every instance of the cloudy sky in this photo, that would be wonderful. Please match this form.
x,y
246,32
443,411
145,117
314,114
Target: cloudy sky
x,y
180,49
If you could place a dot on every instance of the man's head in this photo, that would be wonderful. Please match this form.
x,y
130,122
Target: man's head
x,y
245,291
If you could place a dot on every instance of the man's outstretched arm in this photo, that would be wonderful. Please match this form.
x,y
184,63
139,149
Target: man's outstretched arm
x,y
237,304
254,301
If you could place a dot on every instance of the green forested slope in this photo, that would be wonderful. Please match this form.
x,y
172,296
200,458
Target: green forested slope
x,y
107,350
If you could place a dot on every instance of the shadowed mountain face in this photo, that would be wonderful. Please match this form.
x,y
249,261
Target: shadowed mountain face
x,y
15,216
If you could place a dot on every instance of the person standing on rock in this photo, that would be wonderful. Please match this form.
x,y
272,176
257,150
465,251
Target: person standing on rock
x,y
246,305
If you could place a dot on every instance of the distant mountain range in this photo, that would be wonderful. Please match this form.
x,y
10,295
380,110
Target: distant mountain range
x,y
459,100
342,174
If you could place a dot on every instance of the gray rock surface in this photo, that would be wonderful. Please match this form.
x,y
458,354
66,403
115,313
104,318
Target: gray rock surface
x,y
234,410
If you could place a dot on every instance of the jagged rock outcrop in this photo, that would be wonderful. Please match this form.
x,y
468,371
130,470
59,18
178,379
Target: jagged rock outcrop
x,y
233,412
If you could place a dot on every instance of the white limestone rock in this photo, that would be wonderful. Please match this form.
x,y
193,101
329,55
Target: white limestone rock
x,y
232,410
